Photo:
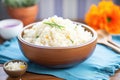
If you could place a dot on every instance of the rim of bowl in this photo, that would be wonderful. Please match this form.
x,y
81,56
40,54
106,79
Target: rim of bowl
x,y
26,65
18,22
94,37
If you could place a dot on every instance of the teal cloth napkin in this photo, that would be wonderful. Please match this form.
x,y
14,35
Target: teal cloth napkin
x,y
99,66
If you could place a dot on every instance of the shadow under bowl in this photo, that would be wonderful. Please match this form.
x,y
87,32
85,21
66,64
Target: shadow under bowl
x,y
58,57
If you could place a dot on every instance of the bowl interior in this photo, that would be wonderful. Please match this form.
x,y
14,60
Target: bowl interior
x,y
9,23
87,28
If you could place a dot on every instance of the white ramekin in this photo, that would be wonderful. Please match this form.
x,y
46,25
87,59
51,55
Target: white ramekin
x,y
10,28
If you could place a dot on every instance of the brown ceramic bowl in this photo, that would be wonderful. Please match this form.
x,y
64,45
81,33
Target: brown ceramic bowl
x,y
15,73
58,57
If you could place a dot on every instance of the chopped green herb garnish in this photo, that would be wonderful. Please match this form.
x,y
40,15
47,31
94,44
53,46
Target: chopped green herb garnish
x,y
71,40
75,27
53,24
37,36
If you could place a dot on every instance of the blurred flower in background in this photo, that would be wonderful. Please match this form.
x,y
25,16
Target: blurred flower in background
x,y
105,15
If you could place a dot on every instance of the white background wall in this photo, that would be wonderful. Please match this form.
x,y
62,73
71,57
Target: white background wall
x,y
65,8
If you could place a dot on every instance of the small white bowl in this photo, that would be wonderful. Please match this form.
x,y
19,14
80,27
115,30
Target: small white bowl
x,y
10,28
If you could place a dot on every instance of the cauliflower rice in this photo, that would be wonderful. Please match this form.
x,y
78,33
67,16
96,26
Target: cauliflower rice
x,y
15,66
57,32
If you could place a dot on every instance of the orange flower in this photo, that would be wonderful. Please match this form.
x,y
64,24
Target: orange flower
x,y
104,16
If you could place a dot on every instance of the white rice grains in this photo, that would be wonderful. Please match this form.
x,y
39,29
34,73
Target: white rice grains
x,y
13,66
57,32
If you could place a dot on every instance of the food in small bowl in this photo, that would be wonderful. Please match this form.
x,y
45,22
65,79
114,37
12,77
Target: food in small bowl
x,y
10,28
57,42
15,68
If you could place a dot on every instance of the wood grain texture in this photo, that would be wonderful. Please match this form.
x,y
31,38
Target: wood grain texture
x,y
27,76
33,76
